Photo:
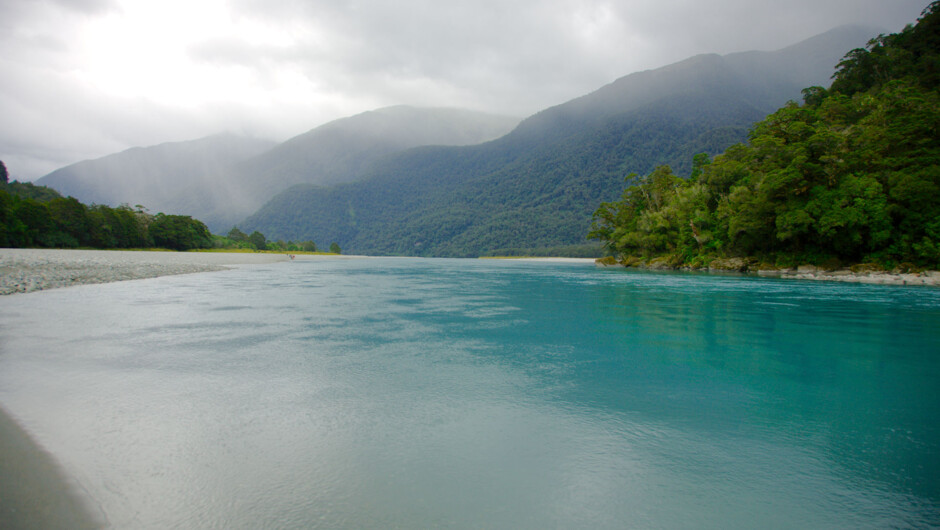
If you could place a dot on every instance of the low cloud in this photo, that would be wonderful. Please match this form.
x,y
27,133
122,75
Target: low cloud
x,y
85,78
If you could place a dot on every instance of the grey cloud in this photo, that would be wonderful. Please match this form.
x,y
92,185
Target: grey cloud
x,y
509,57
496,49
521,56
87,6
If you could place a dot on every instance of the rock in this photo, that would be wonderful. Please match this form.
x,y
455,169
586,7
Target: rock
x,y
660,264
728,264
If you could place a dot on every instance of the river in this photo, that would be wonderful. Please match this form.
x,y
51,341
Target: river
x,y
417,393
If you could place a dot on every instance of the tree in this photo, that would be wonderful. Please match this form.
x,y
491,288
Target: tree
x,y
179,232
36,220
4,176
258,240
334,248
12,229
71,220
237,235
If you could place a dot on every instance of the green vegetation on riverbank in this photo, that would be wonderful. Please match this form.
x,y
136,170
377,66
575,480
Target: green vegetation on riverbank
x,y
238,240
852,175
36,216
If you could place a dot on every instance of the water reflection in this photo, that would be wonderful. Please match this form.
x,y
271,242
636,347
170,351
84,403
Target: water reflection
x,y
847,371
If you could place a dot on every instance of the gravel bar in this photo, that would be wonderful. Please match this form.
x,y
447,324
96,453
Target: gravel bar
x,y
27,270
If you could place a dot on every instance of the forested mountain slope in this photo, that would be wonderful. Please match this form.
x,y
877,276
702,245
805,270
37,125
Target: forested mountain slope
x,y
852,175
537,187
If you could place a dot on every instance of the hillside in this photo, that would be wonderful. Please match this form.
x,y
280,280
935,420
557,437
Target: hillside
x,y
223,178
538,186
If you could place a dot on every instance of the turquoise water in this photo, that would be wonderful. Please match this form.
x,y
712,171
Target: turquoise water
x,y
408,393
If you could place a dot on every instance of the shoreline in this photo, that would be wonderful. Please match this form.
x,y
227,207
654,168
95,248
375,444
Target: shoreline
x,y
858,274
30,270
34,491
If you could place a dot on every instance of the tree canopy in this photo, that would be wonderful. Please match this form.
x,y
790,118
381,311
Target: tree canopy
x,y
37,216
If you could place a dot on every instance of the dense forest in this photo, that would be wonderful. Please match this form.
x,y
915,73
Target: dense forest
x,y
38,216
851,175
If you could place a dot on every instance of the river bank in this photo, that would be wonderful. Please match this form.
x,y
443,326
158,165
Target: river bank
x,y
856,274
27,270
34,493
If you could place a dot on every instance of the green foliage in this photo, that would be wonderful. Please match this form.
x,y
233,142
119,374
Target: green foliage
x,y
257,240
334,248
28,190
851,175
236,239
237,235
4,176
36,216
179,232
913,53
590,250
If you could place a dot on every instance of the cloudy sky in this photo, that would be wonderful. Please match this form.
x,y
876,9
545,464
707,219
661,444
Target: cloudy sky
x,y
86,78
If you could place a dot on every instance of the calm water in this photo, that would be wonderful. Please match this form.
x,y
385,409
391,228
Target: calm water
x,y
412,393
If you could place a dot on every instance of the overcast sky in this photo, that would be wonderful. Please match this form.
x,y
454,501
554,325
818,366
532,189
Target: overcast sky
x,y
86,78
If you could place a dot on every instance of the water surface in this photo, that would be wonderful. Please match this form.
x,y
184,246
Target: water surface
x,y
416,393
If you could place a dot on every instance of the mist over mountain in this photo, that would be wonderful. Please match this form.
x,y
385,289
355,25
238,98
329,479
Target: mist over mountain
x,y
160,177
222,179
343,151
339,151
537,186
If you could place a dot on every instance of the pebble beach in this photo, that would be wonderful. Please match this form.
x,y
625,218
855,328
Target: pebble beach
x,y
27,270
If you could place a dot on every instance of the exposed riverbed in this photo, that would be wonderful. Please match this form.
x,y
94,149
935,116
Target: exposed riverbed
x,y
27,270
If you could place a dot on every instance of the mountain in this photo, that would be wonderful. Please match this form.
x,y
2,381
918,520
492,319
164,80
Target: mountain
x,y
165,178
848,177
537,187
221,179
343,150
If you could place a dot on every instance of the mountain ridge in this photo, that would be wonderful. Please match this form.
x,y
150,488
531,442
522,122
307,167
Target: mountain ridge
x,y
538,185
222,184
